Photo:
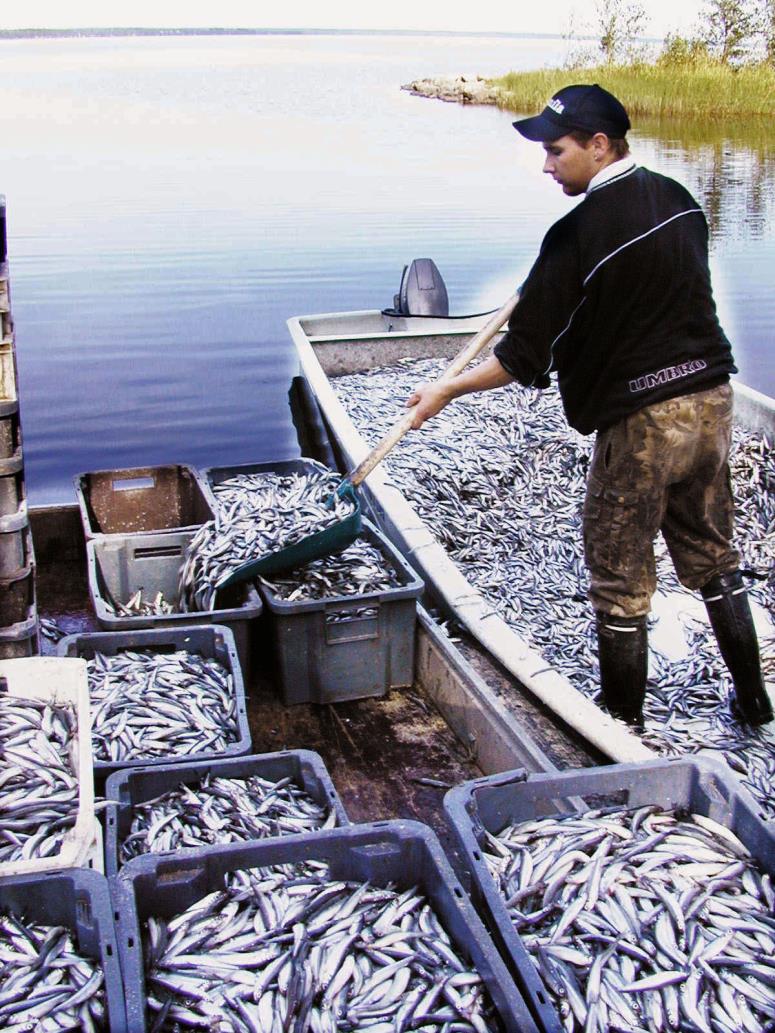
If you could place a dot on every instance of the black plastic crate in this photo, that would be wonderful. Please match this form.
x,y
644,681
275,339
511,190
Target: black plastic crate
x,y
78,899
120,565
141,499
487,805
401,853
346,646
129,788
213,642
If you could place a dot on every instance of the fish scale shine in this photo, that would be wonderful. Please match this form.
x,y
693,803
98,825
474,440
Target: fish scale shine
x,y
147,705
325,955
222,810
45,983
649,928
38,785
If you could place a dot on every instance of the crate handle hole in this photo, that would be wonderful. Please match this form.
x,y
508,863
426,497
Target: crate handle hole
x,y
132,483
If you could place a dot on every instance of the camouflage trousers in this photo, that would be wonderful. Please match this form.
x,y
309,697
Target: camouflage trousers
x,y
664,468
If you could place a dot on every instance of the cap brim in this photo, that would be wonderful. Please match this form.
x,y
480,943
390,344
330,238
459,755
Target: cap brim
x,y
540,129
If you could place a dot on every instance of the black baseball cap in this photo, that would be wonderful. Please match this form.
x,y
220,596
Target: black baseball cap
x,y
590,108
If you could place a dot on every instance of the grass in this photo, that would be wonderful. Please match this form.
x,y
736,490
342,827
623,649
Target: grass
x,y
706,89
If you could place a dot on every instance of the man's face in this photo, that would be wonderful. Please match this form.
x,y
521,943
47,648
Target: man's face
x,y
571,164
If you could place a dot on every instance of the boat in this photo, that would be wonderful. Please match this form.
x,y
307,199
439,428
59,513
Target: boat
x,y
333,345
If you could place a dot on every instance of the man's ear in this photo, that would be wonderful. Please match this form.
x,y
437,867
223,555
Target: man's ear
x,y
600,144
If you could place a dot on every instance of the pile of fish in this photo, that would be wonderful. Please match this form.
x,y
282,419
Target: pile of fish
x,y
147,705
137,606
45,983
257,514
360,569
38,781
499,478
641,920
287,948
223,810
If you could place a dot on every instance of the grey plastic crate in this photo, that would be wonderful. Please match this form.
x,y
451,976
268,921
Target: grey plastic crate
x,y
120,565
21,639
125,790
141,499
17,595
402,853
694,784
79,900
214,642
325,651
211,476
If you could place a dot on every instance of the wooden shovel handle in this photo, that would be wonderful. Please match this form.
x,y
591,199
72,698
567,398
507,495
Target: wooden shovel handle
x,y
458,364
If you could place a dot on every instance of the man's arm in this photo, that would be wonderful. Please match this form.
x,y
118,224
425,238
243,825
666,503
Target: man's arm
x,y
430,399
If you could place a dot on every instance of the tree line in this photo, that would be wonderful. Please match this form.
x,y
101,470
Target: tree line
x,y
730,32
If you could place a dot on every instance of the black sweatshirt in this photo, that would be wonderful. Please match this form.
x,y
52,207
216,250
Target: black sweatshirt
x,y
619,303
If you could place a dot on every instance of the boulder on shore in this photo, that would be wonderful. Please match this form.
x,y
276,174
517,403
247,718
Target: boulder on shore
x,y
459,89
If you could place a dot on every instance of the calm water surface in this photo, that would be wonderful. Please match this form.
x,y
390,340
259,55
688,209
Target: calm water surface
x,y
171,202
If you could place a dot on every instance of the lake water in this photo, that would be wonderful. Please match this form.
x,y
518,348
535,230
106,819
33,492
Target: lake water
x,y
171,202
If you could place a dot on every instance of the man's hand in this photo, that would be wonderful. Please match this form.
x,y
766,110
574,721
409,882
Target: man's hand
x,y
430,399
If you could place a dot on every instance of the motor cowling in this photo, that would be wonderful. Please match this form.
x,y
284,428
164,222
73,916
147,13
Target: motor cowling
x,y
422,291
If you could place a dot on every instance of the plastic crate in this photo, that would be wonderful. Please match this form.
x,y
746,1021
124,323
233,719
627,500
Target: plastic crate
x,y
141,499
326,651
402,853
80,901
17,595
12,487
213,642
211,476
59,682
14,539
695,784
126,789
120,565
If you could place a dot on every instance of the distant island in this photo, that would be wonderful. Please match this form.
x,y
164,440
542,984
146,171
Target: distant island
x,y
221,31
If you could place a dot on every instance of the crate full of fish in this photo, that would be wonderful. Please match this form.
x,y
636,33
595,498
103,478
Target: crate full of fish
x,y
147,498
183,806
136,581
162,695
626,897
47,818
261,486
60,966
357,928
343,627
263,509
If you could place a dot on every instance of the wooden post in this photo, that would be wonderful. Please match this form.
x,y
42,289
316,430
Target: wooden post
x,y
18,608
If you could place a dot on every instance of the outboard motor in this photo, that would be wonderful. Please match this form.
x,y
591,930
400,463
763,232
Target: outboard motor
x,y
422,291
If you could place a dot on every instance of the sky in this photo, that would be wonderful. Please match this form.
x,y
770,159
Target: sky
x,y
549,16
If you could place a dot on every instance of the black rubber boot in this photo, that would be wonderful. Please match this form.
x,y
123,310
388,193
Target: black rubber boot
x,y
726,601
622,644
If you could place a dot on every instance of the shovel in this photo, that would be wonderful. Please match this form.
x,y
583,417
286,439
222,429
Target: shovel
x,y
344,532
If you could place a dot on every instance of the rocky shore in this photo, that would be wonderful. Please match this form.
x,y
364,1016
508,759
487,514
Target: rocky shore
x,y
458,89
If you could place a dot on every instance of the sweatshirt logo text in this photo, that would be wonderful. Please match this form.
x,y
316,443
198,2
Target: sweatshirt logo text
x,y
664,376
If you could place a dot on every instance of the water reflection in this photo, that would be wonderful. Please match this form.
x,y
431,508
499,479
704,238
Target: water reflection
x,y
729,167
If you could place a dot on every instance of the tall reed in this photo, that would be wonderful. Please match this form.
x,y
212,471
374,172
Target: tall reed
x,y
705,89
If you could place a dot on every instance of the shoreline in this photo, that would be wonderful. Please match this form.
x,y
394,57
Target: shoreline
x,y
710,92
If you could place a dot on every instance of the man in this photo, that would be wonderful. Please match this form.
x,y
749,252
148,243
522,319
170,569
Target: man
x,y
619,305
